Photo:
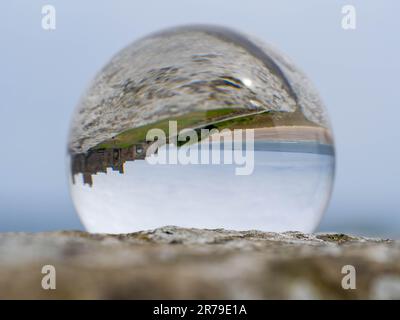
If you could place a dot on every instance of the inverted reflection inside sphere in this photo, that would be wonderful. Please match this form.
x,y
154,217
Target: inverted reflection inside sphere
x,y
202,127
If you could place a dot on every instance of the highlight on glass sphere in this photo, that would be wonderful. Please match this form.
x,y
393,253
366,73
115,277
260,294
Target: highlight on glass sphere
x,y
200,126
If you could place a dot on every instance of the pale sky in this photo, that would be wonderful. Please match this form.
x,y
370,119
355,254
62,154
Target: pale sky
x,y
43,74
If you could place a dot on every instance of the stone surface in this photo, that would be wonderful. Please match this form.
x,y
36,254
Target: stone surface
x,y
172,262
184,69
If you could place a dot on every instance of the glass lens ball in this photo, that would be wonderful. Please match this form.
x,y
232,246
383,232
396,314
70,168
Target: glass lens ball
x,y
200,126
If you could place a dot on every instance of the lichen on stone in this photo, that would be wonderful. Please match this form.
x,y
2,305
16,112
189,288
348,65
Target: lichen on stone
x,y
185,263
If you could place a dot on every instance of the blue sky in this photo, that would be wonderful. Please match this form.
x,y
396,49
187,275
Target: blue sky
x,y
43,74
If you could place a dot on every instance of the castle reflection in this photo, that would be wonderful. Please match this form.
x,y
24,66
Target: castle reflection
x,y
98,160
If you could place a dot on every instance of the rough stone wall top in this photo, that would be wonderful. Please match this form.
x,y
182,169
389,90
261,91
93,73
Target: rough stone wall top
x,y
173,262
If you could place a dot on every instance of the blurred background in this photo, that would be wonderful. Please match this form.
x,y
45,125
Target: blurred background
x,y
44,73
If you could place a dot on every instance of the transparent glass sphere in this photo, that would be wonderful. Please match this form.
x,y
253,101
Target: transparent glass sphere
x,y
200,126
